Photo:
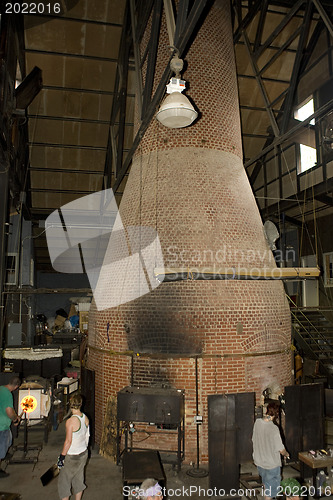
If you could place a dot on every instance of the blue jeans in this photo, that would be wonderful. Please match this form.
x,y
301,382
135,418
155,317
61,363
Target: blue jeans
x,y
5,442
271,479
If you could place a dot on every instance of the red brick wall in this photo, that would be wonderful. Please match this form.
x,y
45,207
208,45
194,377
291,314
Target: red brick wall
x,y
190,185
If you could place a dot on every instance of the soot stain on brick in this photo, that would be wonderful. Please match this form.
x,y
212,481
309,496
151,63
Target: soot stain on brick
x,y
160,332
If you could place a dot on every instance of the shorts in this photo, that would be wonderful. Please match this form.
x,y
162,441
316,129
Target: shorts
x,y
5,442
271,479
72,475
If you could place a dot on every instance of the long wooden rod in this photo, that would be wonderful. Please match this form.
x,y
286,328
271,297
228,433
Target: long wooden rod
x,y
236,272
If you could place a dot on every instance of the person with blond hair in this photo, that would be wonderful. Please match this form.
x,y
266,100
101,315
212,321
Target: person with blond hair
x,y
75,451
150,490
7,416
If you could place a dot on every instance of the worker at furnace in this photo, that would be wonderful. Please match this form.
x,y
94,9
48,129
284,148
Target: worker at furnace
x,y
75,451
7,416
267,450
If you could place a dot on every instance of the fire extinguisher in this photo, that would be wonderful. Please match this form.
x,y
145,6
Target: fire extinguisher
x,y
298,368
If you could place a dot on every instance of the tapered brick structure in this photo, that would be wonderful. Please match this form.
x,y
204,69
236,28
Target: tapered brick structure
x,y
190,184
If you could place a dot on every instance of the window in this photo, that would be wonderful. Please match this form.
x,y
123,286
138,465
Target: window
x,y
308,157
308,154
328,269
18,79
304,110
11,268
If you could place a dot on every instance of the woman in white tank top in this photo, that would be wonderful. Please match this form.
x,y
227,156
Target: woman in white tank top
x,y
80,437
71,477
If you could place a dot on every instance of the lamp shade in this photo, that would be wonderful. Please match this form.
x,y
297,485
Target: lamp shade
x,y
176,111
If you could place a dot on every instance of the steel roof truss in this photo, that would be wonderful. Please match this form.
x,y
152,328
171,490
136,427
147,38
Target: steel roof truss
x,y
296,68
190,25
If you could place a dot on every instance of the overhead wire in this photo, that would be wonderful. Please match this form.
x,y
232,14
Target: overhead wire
x,y
305,227
294,186
302,209
137,217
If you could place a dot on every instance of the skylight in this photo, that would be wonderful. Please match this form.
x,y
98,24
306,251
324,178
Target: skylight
x,y
308,157
304,111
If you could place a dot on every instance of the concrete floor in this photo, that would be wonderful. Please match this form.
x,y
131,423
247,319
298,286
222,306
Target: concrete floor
x,y
103,477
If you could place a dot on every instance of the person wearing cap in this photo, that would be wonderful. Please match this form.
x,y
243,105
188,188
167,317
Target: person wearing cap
x,y
267,450
291,488
150,490
75,451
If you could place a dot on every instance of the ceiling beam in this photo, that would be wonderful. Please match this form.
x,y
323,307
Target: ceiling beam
x,y
61,191
282,49
246,21
67,54
311,45
182,14
66,170
283,137
66,146
136,50
289,99
255,108
115,145
28,89
143,17
76,120
152,55
303,54
290,3
50,17
306,194
255,136
323,14
82,90
260,27
272,47
323,198
287,218
37,291
264,79
261,86
122,101
279,28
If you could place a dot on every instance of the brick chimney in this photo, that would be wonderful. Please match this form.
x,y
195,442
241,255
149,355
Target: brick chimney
x,y
191,186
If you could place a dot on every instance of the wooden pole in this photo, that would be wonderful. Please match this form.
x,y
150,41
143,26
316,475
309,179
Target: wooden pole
x,y
194,273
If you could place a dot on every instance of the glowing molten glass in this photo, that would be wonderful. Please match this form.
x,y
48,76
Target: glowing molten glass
x,y
28,403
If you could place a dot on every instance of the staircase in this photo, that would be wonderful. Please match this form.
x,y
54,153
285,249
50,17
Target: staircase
x,y
314,334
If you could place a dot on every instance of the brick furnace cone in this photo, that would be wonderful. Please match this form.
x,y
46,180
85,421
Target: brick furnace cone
x,y
191,187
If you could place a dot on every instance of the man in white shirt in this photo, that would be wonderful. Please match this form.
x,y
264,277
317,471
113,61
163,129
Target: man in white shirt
x,y
267,450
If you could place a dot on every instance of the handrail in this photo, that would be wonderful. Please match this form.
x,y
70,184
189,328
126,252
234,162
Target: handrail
x,y
319,336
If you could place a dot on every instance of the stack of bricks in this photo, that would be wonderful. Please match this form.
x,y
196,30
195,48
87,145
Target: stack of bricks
x,y
190,184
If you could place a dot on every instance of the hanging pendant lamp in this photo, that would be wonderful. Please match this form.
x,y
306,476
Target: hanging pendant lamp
x,y
176,111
